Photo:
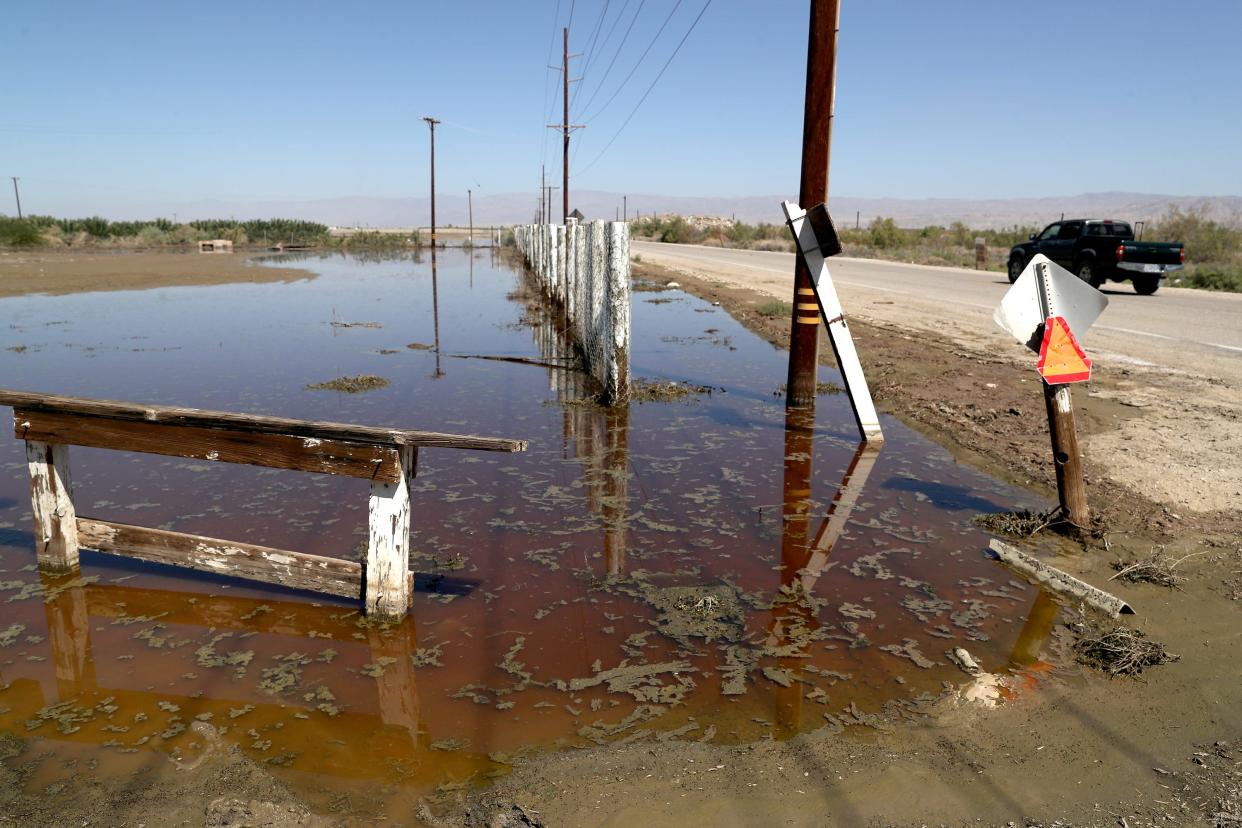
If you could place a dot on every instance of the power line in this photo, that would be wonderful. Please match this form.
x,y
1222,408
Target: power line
x,y
615,54
639,63
547,85
599,25
648,92
607,38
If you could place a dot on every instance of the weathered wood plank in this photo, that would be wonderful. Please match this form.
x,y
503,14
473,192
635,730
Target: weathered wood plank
x,y
296,570
388,547
369,461
254,423
51,502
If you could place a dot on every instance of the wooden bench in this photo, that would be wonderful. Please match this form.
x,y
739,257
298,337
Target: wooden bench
x,y
387,457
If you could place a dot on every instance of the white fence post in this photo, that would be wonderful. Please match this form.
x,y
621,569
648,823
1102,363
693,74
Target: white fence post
x,y
51,502
387,585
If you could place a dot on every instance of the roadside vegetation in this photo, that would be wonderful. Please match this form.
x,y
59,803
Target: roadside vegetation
x,y
46,231
1213,248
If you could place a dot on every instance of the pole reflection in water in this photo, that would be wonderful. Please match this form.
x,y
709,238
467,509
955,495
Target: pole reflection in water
x,y
1035,632
803,561
435,308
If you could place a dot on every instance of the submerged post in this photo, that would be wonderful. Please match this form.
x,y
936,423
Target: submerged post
x,y
386,579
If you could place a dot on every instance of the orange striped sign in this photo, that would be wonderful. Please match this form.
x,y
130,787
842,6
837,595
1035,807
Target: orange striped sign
x,y
1061,360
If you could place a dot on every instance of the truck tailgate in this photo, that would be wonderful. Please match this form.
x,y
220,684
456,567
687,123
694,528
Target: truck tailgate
x,y
1161,253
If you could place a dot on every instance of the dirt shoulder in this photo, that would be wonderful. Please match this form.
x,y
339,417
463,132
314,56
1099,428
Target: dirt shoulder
x,y
61,272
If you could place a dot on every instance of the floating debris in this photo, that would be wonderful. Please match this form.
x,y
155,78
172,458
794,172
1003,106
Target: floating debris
x,y
350,385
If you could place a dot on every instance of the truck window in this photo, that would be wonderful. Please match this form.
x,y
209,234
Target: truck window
x,y
1050,232
1070,231
1122,229
1099,229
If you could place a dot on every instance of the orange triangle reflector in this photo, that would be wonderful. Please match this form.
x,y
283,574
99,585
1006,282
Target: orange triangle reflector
x,y
1060,358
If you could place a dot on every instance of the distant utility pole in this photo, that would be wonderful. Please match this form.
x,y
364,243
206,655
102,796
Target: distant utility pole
x,y
431,122
821,60
625,208
470,209
565,127
547,201
17,196
543,192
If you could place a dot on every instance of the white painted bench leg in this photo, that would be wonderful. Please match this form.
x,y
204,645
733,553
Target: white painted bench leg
x,y
387,581
51,497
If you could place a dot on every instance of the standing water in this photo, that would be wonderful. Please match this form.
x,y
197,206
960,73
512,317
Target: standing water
x,y
667,567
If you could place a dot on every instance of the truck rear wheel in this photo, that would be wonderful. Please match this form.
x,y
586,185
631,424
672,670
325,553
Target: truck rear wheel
x,y
1016,266
1146,285
1086,272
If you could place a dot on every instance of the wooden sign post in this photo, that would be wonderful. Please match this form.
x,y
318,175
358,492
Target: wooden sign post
x,y
1042,310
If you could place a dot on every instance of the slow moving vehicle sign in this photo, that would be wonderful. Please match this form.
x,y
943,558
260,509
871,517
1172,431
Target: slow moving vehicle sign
x,y
1061,360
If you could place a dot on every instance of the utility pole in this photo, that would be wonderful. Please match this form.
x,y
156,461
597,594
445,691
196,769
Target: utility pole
x,y
431,122
470,213
565,166
816,151
17,196
565,127
543,192
548,202
625,208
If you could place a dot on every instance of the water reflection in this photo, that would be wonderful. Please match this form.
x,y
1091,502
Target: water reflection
x,y
594,436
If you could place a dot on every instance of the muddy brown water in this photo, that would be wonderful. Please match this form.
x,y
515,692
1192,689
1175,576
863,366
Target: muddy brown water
x,y
668,567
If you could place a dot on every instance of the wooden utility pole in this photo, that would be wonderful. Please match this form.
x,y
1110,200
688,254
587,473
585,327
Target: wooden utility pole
x,y
547,219
625,208
470,213
565,128
543,191
17,196
816,149
431,122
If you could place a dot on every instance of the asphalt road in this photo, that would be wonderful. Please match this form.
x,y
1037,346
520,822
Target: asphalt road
x,y
1179,328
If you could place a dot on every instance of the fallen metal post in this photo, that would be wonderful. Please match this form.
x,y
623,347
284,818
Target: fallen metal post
x,y
1054,580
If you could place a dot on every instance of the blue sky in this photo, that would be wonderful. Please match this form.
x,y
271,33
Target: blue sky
x,y
133,103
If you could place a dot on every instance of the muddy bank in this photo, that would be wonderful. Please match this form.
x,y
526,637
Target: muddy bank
x,y
56,273
987,408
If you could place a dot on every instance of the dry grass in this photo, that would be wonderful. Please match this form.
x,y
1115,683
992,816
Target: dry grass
x,y
1023,524
1121,651
1157,568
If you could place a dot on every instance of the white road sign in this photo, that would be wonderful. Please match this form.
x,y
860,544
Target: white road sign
x,y
1022,312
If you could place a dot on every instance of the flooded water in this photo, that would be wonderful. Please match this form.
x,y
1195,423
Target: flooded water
x,y
697,568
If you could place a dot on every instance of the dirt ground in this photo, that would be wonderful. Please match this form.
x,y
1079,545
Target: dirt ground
x,y
60,272
1073,748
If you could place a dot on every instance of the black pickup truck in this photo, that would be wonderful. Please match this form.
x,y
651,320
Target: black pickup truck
x,y
1097,250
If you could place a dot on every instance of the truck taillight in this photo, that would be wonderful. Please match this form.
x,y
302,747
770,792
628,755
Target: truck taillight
x,y
1181,255
1121,252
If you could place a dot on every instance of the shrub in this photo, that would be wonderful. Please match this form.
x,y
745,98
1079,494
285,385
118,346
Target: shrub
x,y
883,233
19,232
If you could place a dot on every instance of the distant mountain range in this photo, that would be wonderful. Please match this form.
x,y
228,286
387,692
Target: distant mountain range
x,y
511,208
